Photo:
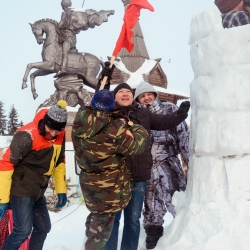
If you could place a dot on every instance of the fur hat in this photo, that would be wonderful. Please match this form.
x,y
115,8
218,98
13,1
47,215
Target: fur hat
x,y
122,86
144,87
103,100
226,5
56,117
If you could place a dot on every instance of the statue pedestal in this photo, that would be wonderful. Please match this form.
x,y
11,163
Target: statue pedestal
x,y
70,89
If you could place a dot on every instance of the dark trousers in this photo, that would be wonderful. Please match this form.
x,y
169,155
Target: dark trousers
x,y
132,215
28,213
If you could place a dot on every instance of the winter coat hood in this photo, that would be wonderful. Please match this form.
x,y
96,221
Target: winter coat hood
x,y
144,87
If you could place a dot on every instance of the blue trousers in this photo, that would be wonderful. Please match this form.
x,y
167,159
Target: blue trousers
x,y
28,213
132,215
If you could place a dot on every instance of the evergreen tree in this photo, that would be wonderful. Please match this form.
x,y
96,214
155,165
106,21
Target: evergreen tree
x,y
20,124
3,120
13,124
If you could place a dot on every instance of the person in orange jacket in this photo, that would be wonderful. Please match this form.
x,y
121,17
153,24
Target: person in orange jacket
x,y
36,152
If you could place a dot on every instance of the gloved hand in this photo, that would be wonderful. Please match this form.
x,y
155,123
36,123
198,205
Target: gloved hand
x,y
3,209
62,199
183,109
107,71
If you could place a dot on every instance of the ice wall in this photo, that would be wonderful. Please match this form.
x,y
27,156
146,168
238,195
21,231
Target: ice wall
x,y
214,212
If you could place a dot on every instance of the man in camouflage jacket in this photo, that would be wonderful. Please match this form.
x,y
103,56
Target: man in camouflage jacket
x,y
167,174
101,141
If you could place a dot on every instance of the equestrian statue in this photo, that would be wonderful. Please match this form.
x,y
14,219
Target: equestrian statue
x,y
59,51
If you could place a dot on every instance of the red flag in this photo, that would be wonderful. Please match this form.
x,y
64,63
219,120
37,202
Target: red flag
x,y
131,16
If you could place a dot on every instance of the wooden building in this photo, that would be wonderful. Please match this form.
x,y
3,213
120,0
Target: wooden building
x,y
135,59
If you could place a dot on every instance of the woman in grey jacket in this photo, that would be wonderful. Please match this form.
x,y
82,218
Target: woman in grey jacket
x,y
167,174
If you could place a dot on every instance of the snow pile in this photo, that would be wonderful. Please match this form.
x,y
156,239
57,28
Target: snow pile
x,y
214,212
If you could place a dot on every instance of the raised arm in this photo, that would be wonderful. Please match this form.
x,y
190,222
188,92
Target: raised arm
x,y
169,121
131,141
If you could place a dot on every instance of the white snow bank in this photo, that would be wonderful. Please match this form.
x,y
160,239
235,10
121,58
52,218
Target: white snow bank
x,y
203,24
214,212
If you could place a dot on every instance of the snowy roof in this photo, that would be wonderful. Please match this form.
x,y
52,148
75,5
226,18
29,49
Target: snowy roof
x,y
170,91
159,89
136,77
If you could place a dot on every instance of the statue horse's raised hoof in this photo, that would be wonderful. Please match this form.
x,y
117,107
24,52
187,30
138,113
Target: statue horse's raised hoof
x,y
35,95
24,85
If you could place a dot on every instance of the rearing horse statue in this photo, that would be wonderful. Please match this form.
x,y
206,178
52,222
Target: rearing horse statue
x,y
84,64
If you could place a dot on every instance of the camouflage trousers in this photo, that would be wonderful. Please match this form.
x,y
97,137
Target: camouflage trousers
x,y
165,180
98,230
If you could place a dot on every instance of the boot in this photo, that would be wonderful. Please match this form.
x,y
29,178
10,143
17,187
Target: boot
x,y
154,233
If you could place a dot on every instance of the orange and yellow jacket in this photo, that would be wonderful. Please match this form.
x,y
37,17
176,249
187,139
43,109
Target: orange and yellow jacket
x,y
30,160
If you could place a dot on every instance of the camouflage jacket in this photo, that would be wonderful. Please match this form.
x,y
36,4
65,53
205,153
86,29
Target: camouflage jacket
x,y
101,143
170,142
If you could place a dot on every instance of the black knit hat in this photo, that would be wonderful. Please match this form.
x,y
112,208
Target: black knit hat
x,y
56,117
122,86
103,100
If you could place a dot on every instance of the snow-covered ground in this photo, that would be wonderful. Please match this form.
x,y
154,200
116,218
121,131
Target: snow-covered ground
x,y
68,229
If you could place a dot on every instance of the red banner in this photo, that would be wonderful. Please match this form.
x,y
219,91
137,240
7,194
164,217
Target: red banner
x,y
131,16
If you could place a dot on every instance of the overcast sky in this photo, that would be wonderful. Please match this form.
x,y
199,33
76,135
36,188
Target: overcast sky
x,y
166,33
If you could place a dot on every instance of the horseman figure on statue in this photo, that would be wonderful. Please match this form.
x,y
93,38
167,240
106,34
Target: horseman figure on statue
x,y
67,34
72,22
59,51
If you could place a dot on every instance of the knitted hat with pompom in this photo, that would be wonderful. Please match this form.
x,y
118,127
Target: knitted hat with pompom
x,y
56,117
103,100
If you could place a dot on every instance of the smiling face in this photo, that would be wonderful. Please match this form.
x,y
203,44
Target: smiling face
x,y
124,97
146,98
51,133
